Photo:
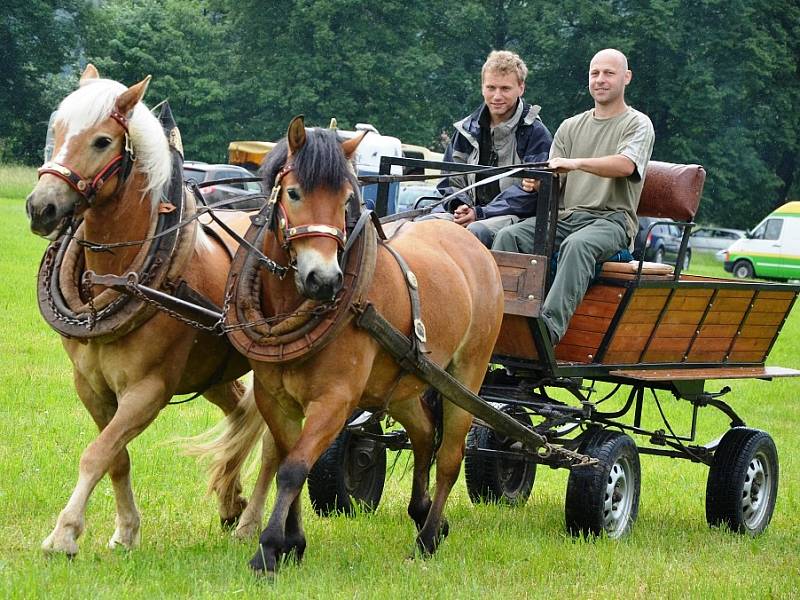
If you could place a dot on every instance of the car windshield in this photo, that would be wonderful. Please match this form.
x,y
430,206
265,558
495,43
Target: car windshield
x,y
190,174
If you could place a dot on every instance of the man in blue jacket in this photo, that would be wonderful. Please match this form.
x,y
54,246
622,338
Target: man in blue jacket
x,y
505,130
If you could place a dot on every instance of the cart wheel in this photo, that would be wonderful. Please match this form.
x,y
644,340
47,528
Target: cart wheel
x,y
350,472
743,481
494,479
604,498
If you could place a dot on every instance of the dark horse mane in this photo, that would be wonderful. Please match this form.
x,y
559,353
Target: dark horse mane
x,y
319,163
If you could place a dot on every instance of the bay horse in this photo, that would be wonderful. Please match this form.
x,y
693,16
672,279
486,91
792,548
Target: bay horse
x,y
307,402
124,380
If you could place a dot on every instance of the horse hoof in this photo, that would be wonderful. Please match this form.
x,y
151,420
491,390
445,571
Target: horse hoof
x,y
62,547
264,562
247,529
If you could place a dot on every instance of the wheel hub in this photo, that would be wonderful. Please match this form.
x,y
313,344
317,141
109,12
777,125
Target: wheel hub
x,y
755,491
618,499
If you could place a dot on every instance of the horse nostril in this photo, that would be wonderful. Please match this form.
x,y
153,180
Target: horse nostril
x,y
49,212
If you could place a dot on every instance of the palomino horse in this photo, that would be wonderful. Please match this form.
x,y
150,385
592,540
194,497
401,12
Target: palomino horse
x,y
124,380
307,402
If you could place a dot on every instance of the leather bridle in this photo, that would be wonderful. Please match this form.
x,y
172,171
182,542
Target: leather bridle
x,y
88,187
285,231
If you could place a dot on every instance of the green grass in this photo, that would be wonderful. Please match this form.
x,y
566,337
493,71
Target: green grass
x,y
492,551
16,181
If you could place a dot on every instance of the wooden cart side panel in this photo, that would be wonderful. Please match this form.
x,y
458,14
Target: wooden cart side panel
x,y
590,323
523,277
635,325
755,338
515,339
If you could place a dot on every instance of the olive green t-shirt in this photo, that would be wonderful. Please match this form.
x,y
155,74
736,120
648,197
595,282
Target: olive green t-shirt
x,y
585,136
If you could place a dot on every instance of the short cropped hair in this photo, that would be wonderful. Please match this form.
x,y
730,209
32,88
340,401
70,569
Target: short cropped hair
x,y
504,61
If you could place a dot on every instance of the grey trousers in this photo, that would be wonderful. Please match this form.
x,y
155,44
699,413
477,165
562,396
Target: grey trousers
x,y
582,240
485,229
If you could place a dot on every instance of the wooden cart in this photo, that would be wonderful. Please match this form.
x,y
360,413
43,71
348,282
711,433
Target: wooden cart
x,y
640,331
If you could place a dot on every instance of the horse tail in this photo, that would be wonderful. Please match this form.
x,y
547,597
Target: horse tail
x,y
227,445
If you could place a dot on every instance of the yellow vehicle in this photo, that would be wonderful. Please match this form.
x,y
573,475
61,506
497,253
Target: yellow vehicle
x,y
248,154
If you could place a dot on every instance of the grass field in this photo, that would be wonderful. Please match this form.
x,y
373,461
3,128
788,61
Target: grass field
x,y
492,551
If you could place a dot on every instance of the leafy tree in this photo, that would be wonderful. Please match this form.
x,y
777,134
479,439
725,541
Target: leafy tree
x,y
183,46
37,37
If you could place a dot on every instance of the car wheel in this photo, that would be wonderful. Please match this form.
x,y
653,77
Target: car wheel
x,y
659,256
742,269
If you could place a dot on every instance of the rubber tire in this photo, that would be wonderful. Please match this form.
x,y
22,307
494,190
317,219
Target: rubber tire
x,y
331,485
494,480
584,506
742,453
742,269
658,257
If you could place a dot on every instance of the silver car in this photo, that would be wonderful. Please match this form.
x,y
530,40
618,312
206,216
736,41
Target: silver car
x,y
714,239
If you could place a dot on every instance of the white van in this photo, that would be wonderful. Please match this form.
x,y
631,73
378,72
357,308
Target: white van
x,y
771,250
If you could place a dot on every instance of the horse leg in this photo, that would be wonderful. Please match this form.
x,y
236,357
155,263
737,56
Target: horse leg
x,y
250,521
420,430
284,532
107,454
448,464
226,472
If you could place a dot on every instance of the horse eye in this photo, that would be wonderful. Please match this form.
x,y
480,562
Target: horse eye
x,y
102,142
293,194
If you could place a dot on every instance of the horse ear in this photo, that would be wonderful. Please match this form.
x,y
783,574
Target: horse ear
x,y
128,99
90,72
296,135
349,146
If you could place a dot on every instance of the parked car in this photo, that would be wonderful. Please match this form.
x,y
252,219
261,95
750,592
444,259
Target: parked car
x,y
410,193
714,239
198,172
771,250
661,243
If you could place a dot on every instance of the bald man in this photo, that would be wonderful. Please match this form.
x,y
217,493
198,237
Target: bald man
x,y
602,155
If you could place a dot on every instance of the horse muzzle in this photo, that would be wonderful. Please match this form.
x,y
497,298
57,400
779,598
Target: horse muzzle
x,y
318,283
48,212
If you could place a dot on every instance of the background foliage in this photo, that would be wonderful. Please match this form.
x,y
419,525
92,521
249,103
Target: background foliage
x,y
719,78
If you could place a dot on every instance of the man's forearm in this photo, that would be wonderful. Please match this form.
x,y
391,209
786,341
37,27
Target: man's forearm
x,y
616,165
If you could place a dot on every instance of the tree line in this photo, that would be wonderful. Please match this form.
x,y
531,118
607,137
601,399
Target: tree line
x,y
718,78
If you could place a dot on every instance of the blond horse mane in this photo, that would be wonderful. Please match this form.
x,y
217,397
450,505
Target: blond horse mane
x,y
92,102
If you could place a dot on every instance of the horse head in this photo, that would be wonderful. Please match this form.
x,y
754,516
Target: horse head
x,y
316,182
95,130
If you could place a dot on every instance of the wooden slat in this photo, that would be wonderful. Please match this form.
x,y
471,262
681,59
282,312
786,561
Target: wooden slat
x,y
572,353
748,356
596,309
605,293
763,318
618,357
666,375
727,331
759,331
589,323
742,344
723,318
683,317
662,356
628,343
767,305
707,356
